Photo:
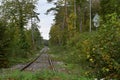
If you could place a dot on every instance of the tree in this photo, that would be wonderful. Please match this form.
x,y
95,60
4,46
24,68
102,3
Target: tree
x,y
109,7
16,14
4,41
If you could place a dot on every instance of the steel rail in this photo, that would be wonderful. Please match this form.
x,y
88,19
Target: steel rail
x,y
50,62
30,63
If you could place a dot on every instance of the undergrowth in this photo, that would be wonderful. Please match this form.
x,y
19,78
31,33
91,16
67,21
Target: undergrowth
x,y
42,75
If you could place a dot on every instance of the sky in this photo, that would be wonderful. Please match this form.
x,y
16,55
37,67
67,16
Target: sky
x,y
45,20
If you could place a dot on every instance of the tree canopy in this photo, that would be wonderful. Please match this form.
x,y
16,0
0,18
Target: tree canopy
x,y
15,39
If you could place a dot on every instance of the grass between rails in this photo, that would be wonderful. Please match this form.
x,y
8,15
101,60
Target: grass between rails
x,y
43,75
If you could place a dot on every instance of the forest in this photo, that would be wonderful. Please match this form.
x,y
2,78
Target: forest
x,y
95,49
88,48
16,41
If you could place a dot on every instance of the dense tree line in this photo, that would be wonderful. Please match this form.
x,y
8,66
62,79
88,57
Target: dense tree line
x,y
99,50
71,17
15,39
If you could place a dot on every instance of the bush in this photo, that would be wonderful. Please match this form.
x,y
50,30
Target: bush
x,y
99,50
79,47
105,49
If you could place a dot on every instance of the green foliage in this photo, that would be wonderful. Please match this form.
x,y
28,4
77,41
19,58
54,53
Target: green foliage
x,y
43,75
57,35
70,19
73,64
3,45
98,49
58,52
80,47
109,7
15,40
104,53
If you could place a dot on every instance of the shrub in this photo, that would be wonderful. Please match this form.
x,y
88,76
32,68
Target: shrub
x,y
105,49
100,49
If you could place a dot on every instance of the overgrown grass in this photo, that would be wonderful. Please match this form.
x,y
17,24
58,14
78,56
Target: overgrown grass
x,y
21,60
42,75
58,52
76,72
61,53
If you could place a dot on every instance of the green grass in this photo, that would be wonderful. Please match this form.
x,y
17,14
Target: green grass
x,y
42,75
21,60
60,53
57,54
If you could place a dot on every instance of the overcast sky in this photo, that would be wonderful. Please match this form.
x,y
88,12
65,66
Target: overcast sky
x,y
45,20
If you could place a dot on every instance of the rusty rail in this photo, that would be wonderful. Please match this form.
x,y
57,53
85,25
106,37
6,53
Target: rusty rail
x,y
50,62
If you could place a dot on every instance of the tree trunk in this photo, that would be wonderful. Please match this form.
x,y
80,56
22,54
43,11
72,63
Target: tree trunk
x,y
80,18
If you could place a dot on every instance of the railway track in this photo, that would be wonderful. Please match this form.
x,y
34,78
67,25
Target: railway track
x,y
43,61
